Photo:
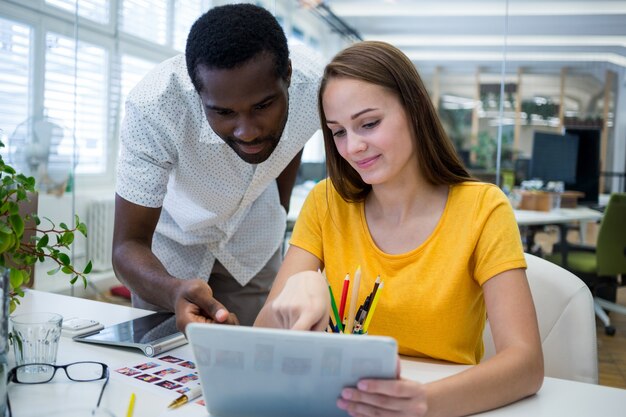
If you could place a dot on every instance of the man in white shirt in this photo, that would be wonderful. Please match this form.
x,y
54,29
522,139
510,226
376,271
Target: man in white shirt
x,y
201,207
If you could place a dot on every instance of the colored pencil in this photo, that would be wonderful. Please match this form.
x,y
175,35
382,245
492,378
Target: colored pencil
x,y
334,307
131,406
353,300
370,313
376,284
344,296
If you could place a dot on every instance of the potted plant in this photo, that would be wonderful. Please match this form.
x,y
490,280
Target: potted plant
x,y
18,256
50,242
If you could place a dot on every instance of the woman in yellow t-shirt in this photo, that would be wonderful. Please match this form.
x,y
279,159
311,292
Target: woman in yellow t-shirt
x,y
399,203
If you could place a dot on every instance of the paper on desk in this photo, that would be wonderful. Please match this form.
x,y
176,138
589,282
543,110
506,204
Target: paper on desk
x,y
168,376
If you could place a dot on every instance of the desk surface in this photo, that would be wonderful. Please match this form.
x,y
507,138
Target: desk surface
x,y
556,397
560,216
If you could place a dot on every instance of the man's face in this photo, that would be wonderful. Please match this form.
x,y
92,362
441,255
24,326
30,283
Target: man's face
x,y
246,106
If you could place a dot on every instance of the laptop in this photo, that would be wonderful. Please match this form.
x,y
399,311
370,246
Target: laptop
x,y
248,371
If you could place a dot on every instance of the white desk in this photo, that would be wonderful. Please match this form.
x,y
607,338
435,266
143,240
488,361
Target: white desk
x,y
556,397
560,216
526,219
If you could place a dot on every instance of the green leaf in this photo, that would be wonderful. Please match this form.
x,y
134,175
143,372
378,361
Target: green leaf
x,y
16,279
25,276
67,270
63,226
65,260
73,280
43,242
17,223
8,170
82,228
68,238
53,271
14,208
87,268
4,228
84,282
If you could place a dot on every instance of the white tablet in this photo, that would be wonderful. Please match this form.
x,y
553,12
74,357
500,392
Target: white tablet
x,y
247,371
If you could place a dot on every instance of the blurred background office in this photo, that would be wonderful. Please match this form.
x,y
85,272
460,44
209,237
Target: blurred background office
x,y
525,89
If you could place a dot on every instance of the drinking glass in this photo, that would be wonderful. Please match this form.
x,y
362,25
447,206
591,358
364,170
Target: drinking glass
x,y
35,337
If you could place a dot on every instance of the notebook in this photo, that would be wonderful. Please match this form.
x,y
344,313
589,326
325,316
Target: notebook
x,y
153,334
246,371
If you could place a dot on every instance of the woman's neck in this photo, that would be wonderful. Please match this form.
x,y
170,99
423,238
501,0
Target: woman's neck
x,y
404,200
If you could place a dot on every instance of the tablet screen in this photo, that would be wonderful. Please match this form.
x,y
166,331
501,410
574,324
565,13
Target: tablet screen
x,y
257,372
144,330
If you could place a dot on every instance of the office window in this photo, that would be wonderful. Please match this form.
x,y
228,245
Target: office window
x,y
88,106
96,10
14,75
185,14
297,33
146,19
133,70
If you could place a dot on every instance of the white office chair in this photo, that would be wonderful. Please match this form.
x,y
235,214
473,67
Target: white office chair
x,y
566,322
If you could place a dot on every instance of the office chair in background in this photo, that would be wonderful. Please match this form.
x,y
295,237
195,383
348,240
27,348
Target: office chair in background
x,y
603,266
567,325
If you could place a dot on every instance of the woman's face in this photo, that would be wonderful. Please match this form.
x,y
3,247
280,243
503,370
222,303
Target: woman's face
x,y
370,130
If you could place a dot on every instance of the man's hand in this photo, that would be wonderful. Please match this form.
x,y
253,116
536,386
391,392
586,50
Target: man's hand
x,y
195,303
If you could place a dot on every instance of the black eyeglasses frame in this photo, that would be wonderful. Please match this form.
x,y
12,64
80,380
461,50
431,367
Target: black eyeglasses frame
x,y
12,377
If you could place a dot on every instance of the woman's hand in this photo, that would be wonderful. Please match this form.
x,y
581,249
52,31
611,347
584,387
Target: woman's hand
x,y
304,302
383,397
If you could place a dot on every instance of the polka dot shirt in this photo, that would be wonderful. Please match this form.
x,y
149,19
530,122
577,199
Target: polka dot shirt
x,y
214,205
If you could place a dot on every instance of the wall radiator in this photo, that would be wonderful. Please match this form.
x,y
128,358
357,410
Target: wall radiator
x,y
99,221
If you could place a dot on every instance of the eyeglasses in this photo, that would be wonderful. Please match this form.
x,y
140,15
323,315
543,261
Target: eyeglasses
x,y
40,373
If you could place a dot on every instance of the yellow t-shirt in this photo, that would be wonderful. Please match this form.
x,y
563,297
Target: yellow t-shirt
x,y
432,301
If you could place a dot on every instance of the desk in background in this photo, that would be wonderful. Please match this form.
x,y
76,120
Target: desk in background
x,y
529,219
556,398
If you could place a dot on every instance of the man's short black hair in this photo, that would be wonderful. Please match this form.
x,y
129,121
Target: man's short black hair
x,y
228,36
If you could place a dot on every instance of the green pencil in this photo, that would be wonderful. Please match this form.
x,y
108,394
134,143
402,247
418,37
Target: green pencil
x,y
334,306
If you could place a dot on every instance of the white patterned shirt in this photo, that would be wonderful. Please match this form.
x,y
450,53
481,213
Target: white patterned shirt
x,y
214,205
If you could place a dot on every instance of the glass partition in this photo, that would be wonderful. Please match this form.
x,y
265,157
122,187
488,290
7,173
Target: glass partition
x,y
498,73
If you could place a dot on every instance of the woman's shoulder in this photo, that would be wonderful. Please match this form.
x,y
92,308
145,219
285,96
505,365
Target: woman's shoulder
x,y
326,197
478,190
483,197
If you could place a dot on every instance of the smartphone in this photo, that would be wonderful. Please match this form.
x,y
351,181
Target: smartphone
x,y
77,326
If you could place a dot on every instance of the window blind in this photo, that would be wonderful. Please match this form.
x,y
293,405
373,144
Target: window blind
x,y
185,14
91,99
15,87
133,70
96,10
146,19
